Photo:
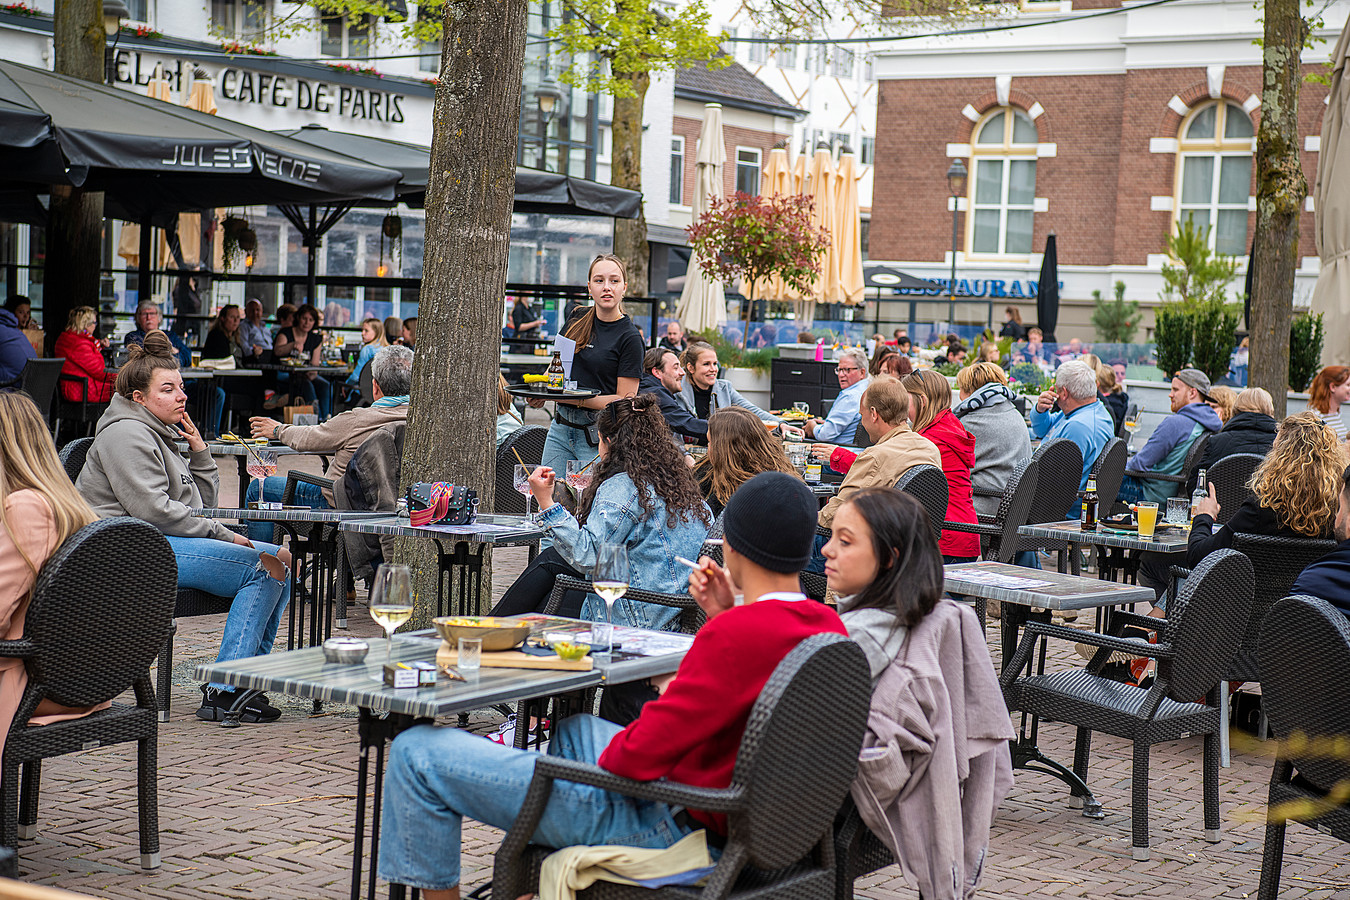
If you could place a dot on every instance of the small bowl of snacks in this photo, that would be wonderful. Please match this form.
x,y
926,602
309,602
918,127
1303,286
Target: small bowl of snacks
x,y
571,651
496,633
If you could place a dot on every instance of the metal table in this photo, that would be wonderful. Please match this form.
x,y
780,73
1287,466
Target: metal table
x,y
458,547
1017,589
1171,540
219,448
385,712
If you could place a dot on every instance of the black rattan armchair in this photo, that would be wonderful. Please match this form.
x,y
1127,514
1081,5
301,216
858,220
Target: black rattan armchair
x,y
1188,465
781,802
1056,492
1305,659
928,485
38,380
73,456
529,443
1194,647
100,610
1229,476
998,533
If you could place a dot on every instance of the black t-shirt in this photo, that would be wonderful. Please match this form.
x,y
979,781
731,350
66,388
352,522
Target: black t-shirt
x,y
218,346
520,314
615,352
312,340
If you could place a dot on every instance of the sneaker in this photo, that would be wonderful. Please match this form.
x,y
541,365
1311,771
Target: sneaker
x,y
216,703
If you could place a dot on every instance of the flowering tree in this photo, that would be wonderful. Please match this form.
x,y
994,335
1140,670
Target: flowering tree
x,y
756,238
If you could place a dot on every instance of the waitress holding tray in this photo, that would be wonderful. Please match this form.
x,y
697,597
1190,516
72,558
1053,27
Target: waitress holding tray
x,y
608,359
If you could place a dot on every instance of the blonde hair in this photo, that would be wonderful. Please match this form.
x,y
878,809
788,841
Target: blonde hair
x,y
1256,400
977,375
985,354
739,448
1223,400
1300,478
378,327
81,318
28,461
934,395
889,398
503,398
1106,380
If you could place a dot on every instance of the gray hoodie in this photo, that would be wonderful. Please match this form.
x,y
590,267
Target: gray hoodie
x,y
135,468
1001,441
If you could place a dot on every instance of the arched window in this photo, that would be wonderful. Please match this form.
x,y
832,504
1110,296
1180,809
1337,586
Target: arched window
x,y
1003,186
1214,174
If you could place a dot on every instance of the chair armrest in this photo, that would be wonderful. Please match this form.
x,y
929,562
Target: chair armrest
x,y
968,528
567,583
1156,476
985,492
1034,630
826,533
722,800
294,477
985,519
20,649
1138,620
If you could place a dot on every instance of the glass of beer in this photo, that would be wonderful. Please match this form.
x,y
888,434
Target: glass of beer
x,y
1147,514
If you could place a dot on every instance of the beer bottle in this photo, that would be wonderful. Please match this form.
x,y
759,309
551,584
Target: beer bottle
x,y
555,374
1088,518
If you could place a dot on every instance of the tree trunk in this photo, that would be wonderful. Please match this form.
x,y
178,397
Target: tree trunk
x,y
630,235
452,418
75,217
1280,191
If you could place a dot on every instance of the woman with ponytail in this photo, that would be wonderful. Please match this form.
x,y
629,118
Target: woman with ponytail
x,y
135,468
608,359
642,496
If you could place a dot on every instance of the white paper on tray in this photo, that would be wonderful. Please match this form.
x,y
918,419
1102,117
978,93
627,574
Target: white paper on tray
x,y
566,349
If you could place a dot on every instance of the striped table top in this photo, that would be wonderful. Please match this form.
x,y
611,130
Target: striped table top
x,y
486,529
285,515
1170,541
219,448
1036,587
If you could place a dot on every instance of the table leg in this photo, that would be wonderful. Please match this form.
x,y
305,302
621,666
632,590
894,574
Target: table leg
x,y
242,462
375,731
468,560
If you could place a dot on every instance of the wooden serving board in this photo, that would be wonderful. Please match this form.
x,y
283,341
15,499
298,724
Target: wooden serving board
x,y
514,659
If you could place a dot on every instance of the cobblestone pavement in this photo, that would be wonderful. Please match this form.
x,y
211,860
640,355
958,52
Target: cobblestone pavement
x,y
266,811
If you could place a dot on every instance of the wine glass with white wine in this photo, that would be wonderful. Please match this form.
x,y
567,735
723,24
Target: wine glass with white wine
x,y
610,581
1131,426
391,600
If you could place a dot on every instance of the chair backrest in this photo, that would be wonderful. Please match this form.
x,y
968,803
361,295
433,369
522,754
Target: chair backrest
x,y
1305,652
1109,470
102,608
529,443
1055,496
1230,476
74,454
928,485
1014,509
1206,621
38,380
861,439
1277,562
367,381
800,750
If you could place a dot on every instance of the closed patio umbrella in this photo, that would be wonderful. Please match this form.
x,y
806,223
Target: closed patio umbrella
x,y
703,303
1331,213
776,181
820,187
846,237
1047,292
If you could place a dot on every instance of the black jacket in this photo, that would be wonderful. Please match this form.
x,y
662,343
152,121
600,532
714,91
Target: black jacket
x,y
1251,518
680,420
1328,578
1245,432
1013,330
1117,404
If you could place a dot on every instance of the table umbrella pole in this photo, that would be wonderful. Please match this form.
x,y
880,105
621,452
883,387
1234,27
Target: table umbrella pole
x,y
311,276
143,290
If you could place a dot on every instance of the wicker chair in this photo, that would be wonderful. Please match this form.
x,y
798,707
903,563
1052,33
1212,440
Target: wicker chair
x,y
1305,657
74,454
928,485
338,573
1188,465
1109,471
38,380
998,533
1054,497
781,802
84,412
101,607
1194,647
529,443
1229,476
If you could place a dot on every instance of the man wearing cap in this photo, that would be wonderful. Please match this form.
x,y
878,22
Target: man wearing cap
x,y
1166,449
690,733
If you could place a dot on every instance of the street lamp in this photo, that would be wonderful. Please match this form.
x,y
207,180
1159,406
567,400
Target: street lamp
x,y
115,12
549,97
956,181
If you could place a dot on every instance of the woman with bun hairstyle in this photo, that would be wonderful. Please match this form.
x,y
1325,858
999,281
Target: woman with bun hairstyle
x,y
135,468
642,496
608,359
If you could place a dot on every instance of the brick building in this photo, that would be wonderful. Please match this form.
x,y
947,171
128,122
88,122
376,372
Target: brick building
x,y
1104,125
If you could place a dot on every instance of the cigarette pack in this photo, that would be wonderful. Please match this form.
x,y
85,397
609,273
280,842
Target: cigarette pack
x,y
426,673
400,675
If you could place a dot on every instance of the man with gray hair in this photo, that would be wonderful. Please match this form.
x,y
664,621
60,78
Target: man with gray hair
x,y
148,319
391,380
841,425
1082,418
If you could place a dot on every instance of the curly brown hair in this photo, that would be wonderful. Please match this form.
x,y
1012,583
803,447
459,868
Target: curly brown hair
x,y
1300,479
641,445
739,448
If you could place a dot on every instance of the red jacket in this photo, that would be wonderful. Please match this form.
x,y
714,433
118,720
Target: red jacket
x,y
83,360
692,733
957,447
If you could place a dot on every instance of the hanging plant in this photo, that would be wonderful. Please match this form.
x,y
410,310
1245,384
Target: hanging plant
x,y
236,237
392,228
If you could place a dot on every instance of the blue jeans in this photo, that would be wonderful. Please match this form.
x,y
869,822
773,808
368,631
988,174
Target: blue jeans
x,y
816,563
437,776
274,486
226,569
563,443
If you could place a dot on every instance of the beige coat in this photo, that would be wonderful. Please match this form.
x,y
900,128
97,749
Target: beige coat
x,y
882,464
341,436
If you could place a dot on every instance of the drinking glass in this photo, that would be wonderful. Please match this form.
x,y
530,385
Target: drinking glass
x,y
576,477
1147,514
1178,511
1131,426
610,581
521,481
261,464
470,654
802,407
391,600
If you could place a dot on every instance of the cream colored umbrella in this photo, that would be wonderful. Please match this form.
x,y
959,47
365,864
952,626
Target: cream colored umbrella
x,y
776,181
1331,212
129,240
820,187
703,303
846,236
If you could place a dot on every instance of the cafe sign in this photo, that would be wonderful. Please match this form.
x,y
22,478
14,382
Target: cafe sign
x,y
250,86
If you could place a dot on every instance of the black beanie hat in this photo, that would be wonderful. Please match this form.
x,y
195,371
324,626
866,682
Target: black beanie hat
x,y
771,521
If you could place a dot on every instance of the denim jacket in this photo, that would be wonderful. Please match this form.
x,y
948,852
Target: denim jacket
x,y
616,518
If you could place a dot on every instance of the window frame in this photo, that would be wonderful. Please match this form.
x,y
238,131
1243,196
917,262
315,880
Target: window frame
x,y
1216,148
372,26
1007,151
842,62
676,191
758,168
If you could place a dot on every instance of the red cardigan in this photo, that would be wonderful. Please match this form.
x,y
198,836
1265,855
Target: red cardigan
x,y
957,447
83,360
692,733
